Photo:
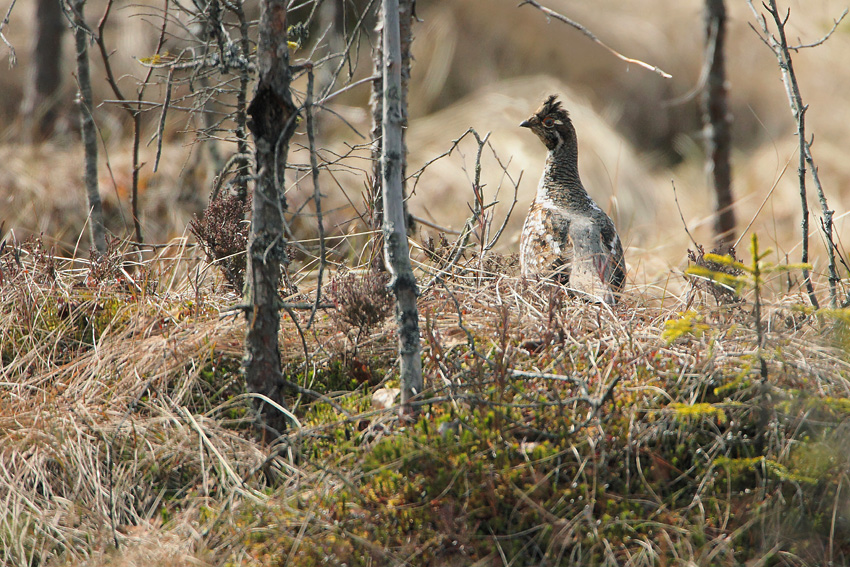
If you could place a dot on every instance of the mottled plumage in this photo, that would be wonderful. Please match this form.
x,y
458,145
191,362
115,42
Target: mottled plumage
x,y
566,236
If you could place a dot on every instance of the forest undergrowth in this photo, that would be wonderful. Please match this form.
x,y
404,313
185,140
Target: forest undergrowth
x,y
666,430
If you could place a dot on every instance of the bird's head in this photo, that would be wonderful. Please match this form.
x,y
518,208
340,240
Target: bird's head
x,y
552,124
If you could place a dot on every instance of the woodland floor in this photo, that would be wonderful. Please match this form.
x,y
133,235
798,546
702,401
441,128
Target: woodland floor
x,y
553,431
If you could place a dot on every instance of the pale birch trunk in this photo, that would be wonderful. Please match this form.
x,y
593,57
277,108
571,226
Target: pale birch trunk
x,y
406,15
396,249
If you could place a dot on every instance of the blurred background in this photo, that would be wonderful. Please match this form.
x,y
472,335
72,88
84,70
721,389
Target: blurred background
x,y
482,65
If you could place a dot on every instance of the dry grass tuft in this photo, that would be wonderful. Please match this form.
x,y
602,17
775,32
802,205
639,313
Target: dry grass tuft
x,y
553,431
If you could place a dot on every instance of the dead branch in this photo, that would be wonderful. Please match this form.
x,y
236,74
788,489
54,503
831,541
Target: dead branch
x,y
13,58
317,195
553,14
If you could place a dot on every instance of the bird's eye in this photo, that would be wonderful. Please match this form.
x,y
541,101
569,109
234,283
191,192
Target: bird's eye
x,y
548,121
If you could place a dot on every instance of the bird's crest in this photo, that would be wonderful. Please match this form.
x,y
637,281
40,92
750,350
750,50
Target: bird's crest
x,y
552,105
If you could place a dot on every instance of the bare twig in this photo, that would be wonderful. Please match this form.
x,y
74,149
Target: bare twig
x,y
778,44
317,195
13,58
241,115
827,35
515,184
160,131
764,201
681,216
553,14
135,113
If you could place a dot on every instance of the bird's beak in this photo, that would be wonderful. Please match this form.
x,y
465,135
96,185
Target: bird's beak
x,y
525,124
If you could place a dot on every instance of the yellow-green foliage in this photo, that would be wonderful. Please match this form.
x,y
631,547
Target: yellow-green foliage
x,y
753,273
842,315
688,323
155,59
769,466
698,410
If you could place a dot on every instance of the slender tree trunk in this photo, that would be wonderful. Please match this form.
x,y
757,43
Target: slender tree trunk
x,y
717,124
241,98
406,15
272,122
97,230
40,105
396,249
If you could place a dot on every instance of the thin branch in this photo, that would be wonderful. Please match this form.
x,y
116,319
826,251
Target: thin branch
x,y
335,75
13,58
835,24
317,195
160,131
681,216
778,44
592,36
763,203
241,117
516,183
426,222
97,229
347,88
135,113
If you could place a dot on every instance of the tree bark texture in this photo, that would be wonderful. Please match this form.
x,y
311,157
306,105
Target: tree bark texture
x,y
406,15
717,124
396,249
272,122
97,230
40,107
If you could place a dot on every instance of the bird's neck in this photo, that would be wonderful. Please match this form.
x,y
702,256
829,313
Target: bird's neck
x,y
560,183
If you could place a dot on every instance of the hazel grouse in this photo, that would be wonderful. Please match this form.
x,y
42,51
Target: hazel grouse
x,y
567,237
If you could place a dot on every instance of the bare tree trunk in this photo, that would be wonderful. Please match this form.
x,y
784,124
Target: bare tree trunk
x,y
272,124
40,105
717,124
97,230
406,15
396,249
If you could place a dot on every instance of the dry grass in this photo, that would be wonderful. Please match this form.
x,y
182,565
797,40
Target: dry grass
x,y
553,431
124,421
